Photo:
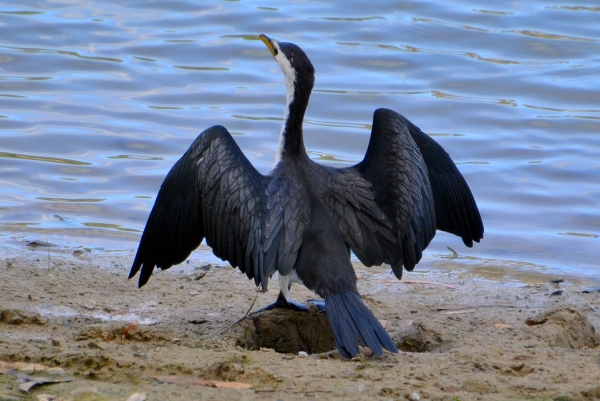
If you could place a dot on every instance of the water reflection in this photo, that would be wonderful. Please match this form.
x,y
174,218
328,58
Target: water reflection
x,y
43,159
494,12
184,67
326,158
98,100
544,35
61,52
75,200
110,226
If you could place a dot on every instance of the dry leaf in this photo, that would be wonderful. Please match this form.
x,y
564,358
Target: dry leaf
x,y
202,382
30,367
137,397
34,381
220,384
5,367
27,386
502,326
130,327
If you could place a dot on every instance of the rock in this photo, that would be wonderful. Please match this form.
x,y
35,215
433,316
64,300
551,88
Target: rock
x,y
565,328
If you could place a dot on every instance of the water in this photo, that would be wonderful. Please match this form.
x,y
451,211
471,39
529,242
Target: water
x,y
98,99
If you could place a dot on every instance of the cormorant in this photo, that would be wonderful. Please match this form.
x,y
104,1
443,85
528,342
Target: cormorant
x,y
302,219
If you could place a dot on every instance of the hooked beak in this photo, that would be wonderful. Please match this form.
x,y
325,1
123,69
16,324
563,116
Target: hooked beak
x,y
269,43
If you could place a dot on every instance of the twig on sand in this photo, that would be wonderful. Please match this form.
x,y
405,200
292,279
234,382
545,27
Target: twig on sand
x,y
243,317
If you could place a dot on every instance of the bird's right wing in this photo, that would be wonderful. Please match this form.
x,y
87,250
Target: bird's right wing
x,y
213,191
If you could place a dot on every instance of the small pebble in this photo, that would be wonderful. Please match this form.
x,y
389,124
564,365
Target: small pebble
x,y
137,397
414,397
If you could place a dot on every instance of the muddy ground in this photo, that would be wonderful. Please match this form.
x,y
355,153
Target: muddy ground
x,y
76,321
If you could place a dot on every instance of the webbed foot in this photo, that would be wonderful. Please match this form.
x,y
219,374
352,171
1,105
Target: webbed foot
x,y
319,303
281,302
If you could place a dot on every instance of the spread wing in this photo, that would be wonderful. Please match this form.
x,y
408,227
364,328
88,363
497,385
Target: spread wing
x,y
455,208
213,191
387,206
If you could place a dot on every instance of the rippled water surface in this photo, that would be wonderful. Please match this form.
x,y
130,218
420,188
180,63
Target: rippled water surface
x,y
99,99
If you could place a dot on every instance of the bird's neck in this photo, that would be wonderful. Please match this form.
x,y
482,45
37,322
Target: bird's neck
x,y
291,140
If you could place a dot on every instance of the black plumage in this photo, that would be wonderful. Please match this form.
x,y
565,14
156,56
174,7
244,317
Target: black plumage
x,y
303,218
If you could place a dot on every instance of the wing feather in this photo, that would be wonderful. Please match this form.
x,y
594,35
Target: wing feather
x,y
352,205
212,191
455,207
418,187
389,206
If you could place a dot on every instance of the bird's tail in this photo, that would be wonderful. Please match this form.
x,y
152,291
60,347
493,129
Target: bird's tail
x,y
353,323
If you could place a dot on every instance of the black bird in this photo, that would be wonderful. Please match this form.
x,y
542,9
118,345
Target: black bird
x,y
302,219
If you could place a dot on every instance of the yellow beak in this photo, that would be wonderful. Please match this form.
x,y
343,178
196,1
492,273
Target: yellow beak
x,y
269,44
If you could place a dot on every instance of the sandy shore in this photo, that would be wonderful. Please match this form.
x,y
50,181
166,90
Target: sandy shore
x,y
76,321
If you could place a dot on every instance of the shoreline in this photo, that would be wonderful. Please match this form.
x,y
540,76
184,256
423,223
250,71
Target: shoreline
x,y
173,338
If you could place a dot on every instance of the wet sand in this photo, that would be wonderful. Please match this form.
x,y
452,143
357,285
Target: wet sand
x,y
78,321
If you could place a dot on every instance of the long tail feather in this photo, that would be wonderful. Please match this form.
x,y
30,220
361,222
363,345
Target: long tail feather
x,y
353,323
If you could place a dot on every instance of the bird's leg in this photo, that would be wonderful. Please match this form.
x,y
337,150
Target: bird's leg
x,y
284,299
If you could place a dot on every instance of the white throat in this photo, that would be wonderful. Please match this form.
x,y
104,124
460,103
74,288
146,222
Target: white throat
x,y
290,80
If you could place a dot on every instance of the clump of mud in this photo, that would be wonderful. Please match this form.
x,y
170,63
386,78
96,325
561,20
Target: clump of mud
x,y
287,331
418,338
565,328
20,316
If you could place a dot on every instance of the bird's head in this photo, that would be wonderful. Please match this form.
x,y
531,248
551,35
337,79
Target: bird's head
x,y
298,70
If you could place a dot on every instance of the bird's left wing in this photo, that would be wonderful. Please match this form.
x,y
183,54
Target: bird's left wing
x,y
418,188
213,191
